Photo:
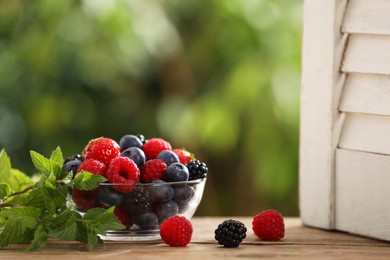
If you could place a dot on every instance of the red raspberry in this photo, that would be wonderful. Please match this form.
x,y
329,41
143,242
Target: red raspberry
x,y
123,170
93,166
122,214
184,156
153,170
268,225
85,199
102,149
176,231
154,146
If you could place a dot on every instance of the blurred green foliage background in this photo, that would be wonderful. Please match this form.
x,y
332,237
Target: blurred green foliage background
x,y
218,77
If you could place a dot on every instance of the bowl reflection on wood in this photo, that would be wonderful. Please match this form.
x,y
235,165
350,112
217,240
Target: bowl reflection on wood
x,y
142,207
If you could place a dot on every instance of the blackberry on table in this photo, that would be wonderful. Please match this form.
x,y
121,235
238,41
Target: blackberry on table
x,y
230,233
197,169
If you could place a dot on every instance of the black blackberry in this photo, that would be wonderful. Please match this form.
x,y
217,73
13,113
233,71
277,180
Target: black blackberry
x,y
230,233
197,169
137,201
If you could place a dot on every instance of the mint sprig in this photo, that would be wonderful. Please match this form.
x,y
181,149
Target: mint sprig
x,y
36,211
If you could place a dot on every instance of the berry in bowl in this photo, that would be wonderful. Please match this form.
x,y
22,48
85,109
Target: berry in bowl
x,y
147,182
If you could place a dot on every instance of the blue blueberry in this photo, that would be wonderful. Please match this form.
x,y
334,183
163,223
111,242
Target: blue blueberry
x,y
110,197
142,138
71,166
147,220
176,172
183,193
128,141
136,154
74,157
165,210
168,157
160,192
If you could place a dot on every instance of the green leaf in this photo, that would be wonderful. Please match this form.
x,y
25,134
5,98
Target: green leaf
x,y
103,219
12,233
5,166
33,198
64,226
41,163
26,215
57,157
4,190
87,181
110,221
92,238
54,196
19,180
40,239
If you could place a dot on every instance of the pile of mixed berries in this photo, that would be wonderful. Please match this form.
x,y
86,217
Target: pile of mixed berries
x,y
128,166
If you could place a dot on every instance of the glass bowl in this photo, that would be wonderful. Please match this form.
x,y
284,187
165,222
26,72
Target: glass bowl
x,y
141,207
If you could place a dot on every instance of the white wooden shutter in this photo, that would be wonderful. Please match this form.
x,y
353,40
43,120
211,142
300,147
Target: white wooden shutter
x,y
345,116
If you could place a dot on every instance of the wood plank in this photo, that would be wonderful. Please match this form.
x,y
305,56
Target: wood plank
x,y
362,186
363,132
299,243
366,93
321,86
367,54
371,17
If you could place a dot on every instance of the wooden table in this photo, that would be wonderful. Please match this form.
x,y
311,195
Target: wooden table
x,y
299,242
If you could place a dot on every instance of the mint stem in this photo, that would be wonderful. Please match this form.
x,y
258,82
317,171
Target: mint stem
x,y
4,205
23,191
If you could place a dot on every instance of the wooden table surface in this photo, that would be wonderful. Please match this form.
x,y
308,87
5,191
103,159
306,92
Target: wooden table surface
x,y
299,243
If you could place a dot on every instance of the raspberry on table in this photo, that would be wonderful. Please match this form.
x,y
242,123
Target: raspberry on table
x,y
184,156
197,169
124,172
268,225
176,231
230,233
154,146
93,166
153,170
102,149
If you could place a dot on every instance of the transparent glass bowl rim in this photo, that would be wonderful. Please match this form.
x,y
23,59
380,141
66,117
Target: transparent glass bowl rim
x,y
140,184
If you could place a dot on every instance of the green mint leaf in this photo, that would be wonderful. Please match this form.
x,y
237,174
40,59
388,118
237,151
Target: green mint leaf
x,y
54,196
87,181
39,240
18,180
12,233
103,220
81,235
33,198
28,216
87,234
110,221
5,166
57,157
4,190
41,163
64,226
14,178
92,237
